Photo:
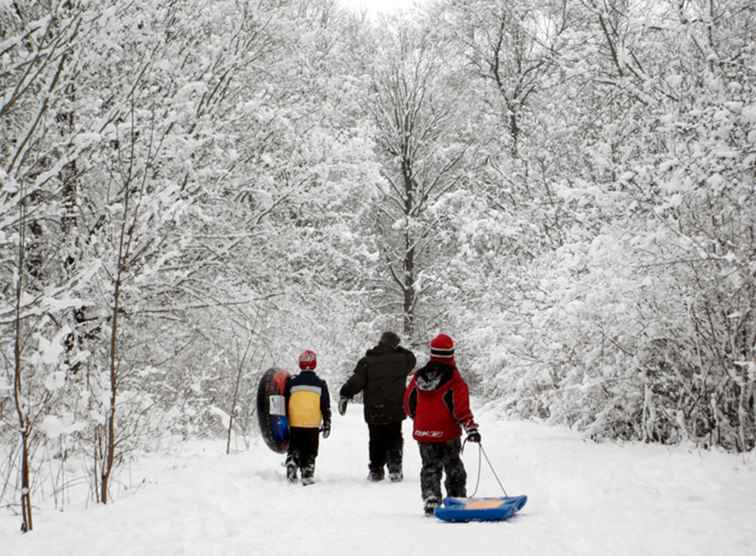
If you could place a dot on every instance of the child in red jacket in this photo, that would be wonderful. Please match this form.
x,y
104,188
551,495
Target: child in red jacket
x,y
437,399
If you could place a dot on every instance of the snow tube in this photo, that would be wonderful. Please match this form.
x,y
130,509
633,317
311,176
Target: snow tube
x,y
271,409
480,509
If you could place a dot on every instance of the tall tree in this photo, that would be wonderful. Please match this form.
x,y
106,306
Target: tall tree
x,y
416,116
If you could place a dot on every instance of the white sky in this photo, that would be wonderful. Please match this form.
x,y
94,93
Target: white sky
x,y
377,6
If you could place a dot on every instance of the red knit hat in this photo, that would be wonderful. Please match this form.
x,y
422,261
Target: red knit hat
x,y
442,349
308,359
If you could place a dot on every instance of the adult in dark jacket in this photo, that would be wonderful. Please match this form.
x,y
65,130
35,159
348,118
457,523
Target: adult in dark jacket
x,y
381,376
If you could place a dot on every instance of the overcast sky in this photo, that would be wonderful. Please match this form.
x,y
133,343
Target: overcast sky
x,y
375,6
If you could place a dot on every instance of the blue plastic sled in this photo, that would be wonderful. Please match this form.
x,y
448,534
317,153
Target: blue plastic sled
x,y
480,509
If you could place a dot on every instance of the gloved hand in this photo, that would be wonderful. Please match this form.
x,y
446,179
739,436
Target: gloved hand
x,y
326,429
473,435
343,405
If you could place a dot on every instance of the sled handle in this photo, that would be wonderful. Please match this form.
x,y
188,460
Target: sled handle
x,y
482,454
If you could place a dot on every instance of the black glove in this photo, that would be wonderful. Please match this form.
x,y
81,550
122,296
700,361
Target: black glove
x,y
342,405
326,429
473,435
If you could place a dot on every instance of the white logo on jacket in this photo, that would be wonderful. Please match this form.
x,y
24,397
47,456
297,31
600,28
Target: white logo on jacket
x,y
429,434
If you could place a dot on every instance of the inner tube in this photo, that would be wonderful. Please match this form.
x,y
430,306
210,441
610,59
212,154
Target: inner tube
x,y
271,409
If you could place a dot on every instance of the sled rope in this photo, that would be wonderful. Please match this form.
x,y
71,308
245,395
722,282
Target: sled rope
x,y
482,454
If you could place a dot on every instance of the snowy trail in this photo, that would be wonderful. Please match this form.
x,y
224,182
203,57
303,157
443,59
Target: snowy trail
x,y
584,499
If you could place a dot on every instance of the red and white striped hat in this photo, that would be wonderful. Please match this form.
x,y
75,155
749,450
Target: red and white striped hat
x,y
442,349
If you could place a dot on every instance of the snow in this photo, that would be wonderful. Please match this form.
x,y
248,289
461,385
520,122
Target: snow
x,y
55,380
584,499
53,426
749,113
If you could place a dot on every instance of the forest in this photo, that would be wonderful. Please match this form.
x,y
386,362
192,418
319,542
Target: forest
x,y
192,191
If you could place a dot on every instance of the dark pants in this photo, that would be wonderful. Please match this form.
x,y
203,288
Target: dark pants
x,y
303,449
438,458
385,447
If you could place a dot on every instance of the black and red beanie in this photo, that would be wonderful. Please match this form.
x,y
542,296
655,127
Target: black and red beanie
x,y
442,349
308,360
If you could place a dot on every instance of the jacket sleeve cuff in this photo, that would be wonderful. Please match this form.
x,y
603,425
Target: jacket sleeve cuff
x,y
470,426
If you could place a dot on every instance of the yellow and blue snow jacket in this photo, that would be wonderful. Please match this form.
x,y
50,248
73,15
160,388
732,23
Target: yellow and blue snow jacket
x,y
307,401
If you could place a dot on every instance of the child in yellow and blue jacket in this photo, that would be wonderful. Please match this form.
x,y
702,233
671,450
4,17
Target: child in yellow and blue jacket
x,y
309,411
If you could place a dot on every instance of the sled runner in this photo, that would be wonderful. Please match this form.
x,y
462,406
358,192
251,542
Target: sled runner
x,y
271,409
480,509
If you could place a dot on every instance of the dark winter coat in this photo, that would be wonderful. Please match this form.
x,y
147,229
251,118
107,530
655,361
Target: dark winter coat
x,y
438,400
381,376
307,400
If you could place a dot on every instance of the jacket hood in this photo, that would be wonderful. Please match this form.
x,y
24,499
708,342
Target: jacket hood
x,y
381,349
434,375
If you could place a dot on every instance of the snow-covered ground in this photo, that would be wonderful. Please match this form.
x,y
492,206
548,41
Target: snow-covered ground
x,y
584,499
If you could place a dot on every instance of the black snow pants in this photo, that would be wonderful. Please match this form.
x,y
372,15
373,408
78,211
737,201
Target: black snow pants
x,y
303,449
437,458
385,447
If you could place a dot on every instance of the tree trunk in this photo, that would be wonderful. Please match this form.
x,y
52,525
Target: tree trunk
x,y
24,423
107,464
235,396
514,132
26,506
408,287
409,293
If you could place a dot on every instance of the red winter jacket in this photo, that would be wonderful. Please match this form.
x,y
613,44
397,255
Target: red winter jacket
x,y
437,399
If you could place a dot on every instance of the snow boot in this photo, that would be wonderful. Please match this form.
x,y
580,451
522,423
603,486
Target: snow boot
x,y
291,472
376,475
430,504
395,476
308,473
